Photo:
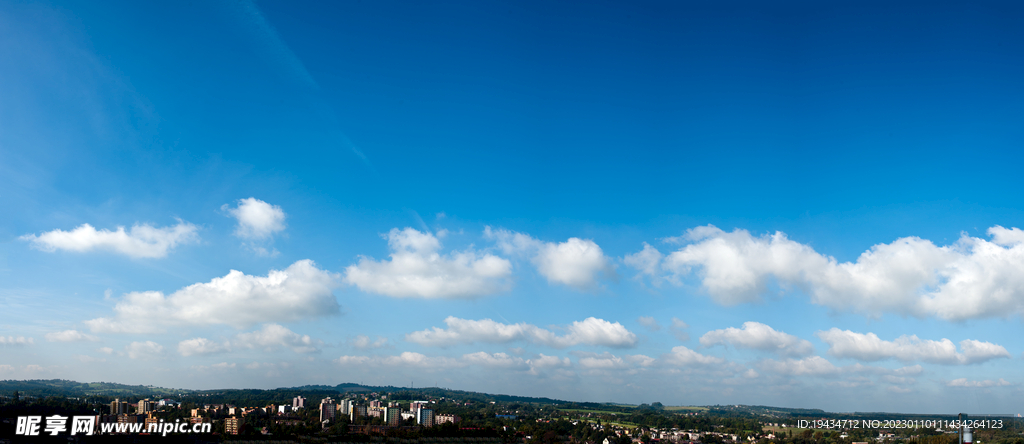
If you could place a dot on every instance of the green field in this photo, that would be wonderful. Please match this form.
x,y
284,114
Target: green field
x,y
602,412
627,425
685,408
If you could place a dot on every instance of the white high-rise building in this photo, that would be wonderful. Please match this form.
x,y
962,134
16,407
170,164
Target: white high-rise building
x,y
298,402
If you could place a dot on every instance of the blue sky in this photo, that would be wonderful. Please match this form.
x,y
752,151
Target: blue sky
x,y
794,204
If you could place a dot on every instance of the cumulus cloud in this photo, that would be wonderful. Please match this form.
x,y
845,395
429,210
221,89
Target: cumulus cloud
x,y
202,346
544,361
576,262
758,336
257,220
16,340
964,382
970,279
417,269
69,336
298,292
869,347
590,331
144,350
273,336
811,366
605,361
684,357
142,241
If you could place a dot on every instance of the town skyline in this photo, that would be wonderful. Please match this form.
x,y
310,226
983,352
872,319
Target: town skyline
x,y
792,204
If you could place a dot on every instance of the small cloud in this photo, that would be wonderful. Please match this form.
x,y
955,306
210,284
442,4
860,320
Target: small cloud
x,y
142,241
577,263
364,342
70,336
16,340
964,382
257,220
649,322
144,350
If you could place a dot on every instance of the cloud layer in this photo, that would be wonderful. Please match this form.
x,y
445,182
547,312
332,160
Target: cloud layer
x,y
268,339
973,278
417,269
869,347
298,292
142,241
590,331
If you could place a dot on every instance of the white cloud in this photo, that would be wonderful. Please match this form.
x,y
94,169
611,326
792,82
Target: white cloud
x,y
497,360
606,361
69,336
684,357
483,359
544,361
364,342
268,339
590,331
141,241
649,322
405,359
272,336
646,261
575,262
144,350
298,292
963,382
812,366
202,346
972,278
901,380
869,347
756,335
257,220
16,340
416,269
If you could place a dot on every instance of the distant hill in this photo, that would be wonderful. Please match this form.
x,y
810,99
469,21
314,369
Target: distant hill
x,y
63,387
